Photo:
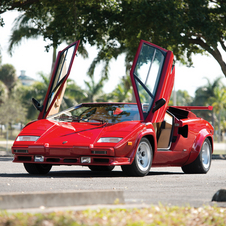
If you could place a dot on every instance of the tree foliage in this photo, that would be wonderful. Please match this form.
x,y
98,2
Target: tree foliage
x,y
3,92
123,91
182,98
186,27
8,76
11,109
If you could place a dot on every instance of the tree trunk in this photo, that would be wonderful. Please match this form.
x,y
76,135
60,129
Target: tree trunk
x,y
212,51
53,60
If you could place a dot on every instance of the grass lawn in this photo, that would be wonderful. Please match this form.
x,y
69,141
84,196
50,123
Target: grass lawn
x,y
155,215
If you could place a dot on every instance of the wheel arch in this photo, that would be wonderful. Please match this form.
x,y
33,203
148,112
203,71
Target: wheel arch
x,y
197,145
211,141
142,161
150,135
152,142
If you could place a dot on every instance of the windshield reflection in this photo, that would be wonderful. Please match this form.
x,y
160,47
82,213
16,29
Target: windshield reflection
x,y
99,113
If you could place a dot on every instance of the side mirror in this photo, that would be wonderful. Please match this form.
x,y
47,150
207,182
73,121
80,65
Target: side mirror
x,y
36,104
158,104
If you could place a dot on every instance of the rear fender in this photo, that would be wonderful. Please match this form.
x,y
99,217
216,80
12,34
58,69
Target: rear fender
x,y
197,145
150,135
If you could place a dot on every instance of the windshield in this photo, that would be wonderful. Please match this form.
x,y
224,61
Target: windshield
x,y
99,113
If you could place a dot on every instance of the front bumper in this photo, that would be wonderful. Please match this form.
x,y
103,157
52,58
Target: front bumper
x,y
103,156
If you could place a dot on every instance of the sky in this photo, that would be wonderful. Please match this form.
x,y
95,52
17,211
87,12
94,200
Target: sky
x,y
31,57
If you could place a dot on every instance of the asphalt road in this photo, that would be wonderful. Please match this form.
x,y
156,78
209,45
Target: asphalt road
x,y
162,185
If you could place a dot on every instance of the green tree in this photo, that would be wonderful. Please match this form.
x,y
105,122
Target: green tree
x,y
3,92
203,93
123,91
73,95
11,108
219,103
55,22
12,111
37,90
8,76
186,27
202,98
182,98
93,90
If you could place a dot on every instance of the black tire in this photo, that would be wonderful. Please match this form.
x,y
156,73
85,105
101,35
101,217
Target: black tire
x,y
203,161
101,168
33,168
142,162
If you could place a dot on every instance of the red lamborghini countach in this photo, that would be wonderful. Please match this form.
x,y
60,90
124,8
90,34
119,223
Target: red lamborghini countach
x,y
135,136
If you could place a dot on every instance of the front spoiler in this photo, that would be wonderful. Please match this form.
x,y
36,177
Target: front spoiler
x,y
95,160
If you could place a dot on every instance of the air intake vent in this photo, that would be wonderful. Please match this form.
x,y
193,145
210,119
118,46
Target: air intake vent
x,y
70,160
99,160
52,160
20,151
24,158
99,152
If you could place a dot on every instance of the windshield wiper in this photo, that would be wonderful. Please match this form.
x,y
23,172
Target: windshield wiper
x,y
91,119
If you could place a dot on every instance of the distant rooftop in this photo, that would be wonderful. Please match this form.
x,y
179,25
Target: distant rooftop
x,y
26,80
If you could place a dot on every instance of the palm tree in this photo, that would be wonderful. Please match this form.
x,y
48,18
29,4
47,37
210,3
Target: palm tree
x,y
94,90
38,91
123,91
219,103
8,76
73,95
203,94
182,98
24,28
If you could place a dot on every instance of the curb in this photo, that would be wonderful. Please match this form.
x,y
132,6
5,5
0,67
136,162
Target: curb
x,y
222,157
56,199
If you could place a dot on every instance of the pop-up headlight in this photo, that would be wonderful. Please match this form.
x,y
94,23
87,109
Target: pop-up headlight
x,y
109,140
27,138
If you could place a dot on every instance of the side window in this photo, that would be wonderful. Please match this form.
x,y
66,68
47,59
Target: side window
x,y
147,74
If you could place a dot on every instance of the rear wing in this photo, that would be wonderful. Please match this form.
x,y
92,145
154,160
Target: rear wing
x,y
189,108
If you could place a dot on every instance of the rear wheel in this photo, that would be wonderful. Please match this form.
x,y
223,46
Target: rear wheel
x,y
203,161
142,162
101,168
32,168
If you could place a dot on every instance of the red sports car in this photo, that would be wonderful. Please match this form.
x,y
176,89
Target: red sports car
x,y
101,136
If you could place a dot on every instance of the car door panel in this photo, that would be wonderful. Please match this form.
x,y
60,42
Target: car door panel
x,y
58,80
152,76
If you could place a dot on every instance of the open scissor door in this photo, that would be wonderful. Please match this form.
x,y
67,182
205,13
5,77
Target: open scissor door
x,y
152,76
58,80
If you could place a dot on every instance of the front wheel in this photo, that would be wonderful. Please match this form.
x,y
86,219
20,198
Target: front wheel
x,y
142,162
203,161
33,168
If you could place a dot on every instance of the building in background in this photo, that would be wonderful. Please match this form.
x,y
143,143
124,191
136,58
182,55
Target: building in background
x,y
26,80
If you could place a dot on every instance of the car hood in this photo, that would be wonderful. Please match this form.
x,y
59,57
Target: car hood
x,y
77,133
